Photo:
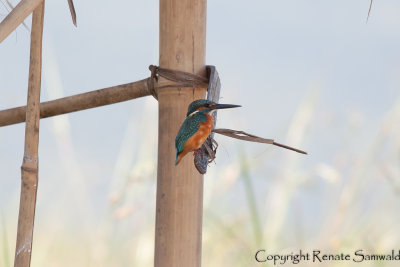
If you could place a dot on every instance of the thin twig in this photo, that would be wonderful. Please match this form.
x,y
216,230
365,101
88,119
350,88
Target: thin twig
x,y
369,10
72,10
252,138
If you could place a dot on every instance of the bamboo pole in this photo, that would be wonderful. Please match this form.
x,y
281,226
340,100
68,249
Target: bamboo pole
x,y
17,16
102,97
29,169
179,204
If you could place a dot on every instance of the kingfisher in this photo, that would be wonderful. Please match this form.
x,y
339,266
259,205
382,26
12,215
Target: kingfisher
x,y
196,127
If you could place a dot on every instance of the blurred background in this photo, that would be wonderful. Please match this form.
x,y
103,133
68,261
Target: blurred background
x,y
310,74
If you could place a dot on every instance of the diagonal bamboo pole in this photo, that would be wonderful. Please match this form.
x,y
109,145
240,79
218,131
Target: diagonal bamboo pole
x,y
97,98
17,16
29,169
179,204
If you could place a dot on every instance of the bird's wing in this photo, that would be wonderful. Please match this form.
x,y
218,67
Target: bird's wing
x,y
189,127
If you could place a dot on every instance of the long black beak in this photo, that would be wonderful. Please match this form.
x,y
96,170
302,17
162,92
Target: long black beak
x,y
222,106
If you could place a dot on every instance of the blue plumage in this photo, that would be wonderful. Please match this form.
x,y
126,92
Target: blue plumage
x,y
189,127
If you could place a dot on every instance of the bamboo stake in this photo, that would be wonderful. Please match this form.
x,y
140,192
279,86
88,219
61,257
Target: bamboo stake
x,y
179,204
29,169
17,16
102,97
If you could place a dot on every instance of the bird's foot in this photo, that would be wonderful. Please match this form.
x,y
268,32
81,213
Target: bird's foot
x,y
197,151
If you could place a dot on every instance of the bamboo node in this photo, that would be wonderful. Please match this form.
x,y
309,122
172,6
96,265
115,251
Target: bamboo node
x,y
31,170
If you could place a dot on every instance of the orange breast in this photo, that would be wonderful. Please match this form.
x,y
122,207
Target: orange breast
x,y
195,141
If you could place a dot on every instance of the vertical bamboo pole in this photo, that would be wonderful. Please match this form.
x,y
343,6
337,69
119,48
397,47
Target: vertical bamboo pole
x,y
29,169
179,205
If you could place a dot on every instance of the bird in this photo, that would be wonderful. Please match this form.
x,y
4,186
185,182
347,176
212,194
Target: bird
x,y
196,127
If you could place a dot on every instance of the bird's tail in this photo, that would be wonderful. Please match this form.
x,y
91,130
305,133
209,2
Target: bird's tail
x,y
178,159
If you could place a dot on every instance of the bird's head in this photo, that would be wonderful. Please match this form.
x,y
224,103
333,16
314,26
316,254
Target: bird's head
x,y
206,106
